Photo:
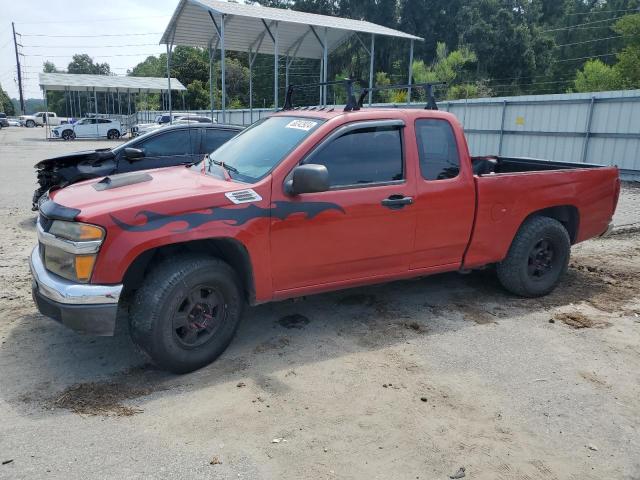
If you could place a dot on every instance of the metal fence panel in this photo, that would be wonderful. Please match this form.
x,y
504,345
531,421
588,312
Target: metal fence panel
x,y
601,128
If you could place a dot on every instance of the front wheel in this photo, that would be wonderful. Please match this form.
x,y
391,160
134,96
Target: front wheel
x,y
187,312
537,258
68,135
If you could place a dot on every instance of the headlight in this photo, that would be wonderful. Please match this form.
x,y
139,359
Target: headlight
x,y
70,249
75,231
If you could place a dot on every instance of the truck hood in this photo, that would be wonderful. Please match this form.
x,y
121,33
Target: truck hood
x,y
77,157
164,188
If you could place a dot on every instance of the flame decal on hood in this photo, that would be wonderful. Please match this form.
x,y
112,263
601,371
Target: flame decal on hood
x,y
231,216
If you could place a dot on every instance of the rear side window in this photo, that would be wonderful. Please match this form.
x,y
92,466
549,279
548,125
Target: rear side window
x,y
214,138
439,159
363,156
176,142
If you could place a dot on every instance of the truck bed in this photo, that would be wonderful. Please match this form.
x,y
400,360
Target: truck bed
x,y
582,196
489,165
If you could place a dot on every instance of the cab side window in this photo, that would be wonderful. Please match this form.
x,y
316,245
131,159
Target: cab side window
x,y
439,158
363,156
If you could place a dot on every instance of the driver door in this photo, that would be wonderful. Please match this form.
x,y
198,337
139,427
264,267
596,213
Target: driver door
x,y
352,232
84,127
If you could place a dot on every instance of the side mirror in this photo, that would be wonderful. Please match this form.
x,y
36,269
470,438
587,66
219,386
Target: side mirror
x,y
309,178
133,153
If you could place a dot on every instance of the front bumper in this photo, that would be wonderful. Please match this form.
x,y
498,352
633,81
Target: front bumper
x,y
86,308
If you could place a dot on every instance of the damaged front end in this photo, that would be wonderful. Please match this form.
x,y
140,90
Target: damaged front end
x,y
67,169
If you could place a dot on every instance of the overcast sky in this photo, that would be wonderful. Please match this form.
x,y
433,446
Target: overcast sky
x,y
119,19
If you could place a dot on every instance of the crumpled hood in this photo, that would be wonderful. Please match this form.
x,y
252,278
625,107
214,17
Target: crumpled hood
x,y
163,188
77,157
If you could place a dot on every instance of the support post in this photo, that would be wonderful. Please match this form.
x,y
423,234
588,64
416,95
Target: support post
x,y
275,67
222,71
169,83
45,118
15,46
95,101
325,67
372,55
250,88
410,72
504,110
211,80
587,131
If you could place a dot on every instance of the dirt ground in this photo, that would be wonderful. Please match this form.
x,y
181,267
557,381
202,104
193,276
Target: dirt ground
x,y
411,380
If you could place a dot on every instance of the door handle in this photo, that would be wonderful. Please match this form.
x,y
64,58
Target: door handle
x,y
395,202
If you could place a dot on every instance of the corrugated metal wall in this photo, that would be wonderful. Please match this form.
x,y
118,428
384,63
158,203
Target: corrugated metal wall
x,y
602,128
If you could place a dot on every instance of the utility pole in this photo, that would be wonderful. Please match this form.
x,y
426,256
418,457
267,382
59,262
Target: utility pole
x,y
15,44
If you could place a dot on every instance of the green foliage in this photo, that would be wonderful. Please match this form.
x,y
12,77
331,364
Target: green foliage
x,y
197,95
628,66
596,77
6,105
83,63
49,67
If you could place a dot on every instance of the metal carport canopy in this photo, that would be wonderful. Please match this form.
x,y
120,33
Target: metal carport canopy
x,y
191,25
105,83
280,32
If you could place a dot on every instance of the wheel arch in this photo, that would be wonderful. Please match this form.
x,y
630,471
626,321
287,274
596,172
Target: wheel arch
x,y
229,250
567,215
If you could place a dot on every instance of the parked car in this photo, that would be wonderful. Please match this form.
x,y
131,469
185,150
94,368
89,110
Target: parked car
x,y
13,122
41,118
90,128
170,146
300,203
4,121
163,120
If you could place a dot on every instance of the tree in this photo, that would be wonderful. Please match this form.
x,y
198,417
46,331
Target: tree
x,y
49,67
197,95
83,63
6,105
628,66
595,76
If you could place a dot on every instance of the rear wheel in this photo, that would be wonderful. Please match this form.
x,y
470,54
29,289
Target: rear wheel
x,y
113,134
187,312
68,135
537,258
30,123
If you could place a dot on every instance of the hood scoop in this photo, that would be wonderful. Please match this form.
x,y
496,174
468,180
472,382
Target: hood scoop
x,y
243,196
121,180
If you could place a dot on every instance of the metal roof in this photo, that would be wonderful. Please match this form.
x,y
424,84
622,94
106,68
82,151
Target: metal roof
x,y
191,24
103,83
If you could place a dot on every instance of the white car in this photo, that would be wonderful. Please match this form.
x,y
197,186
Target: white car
x,y
89,128
13,122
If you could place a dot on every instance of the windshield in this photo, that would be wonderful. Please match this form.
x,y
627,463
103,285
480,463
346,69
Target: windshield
x,y
256,151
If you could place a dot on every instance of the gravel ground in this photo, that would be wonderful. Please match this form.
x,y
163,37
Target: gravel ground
x,y
409,380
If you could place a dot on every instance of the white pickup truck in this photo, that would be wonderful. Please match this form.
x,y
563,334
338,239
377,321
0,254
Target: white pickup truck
x,y
41,118
89,128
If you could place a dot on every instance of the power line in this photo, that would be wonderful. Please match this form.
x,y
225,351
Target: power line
x,y
93,20
603,11
91,36
581,24
584,58
93,46
96,56
589,41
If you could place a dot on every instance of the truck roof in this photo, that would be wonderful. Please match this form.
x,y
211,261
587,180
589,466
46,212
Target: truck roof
x,y
366,112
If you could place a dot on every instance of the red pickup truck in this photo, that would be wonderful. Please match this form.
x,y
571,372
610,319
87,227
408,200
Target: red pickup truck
x,y
303,202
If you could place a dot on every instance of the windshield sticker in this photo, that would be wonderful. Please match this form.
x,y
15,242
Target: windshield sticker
x,y
305,125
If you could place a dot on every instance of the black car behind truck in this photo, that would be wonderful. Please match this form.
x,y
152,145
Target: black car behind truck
x,y
169,146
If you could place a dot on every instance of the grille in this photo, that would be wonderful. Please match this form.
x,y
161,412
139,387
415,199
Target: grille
x,y
243,196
